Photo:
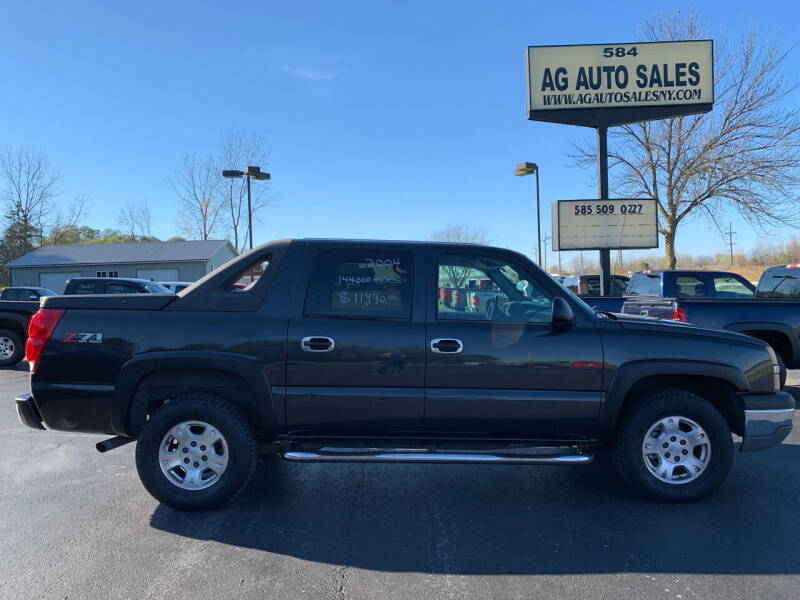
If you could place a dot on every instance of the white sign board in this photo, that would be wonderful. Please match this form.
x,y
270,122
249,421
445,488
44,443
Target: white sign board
x,y
651,74
605,224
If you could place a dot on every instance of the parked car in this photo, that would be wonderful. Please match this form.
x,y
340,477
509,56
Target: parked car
x,y
25,293
772,315
681,283
14,318
685,283
782,281
175,286
112,285
342,351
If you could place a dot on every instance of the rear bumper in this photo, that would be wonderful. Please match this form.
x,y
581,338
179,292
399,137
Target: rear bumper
x,y
27,412
767,420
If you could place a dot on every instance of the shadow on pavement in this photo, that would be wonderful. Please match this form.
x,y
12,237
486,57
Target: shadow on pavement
x,y
467,519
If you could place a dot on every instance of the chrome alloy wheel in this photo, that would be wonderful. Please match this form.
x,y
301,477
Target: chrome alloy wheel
x,y
676,450
7,348
193,455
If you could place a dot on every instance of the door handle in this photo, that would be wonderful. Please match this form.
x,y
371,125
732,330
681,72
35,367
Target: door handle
x,y
317,343
447,345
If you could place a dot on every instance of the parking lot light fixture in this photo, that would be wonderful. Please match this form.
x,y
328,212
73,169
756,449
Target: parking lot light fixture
x,y
529,168
250,172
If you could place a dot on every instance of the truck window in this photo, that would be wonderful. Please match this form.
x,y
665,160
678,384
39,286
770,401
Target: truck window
x,y
618,285
361,284
779,283
120,288
83,287
513,296
689,286
644,284
731,287
571,283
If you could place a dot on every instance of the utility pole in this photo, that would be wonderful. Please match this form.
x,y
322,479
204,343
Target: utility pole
x,y
730,233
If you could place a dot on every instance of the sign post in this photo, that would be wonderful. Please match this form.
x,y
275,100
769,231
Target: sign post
x,y
602,85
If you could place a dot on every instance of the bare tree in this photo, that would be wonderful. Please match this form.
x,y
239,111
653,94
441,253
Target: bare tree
x,y
68,221
196,184
237,150
28,189
134,219
462,234
743,155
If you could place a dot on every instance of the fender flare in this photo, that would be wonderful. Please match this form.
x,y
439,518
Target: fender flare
x,y
128,411
629,373
783,328
22,320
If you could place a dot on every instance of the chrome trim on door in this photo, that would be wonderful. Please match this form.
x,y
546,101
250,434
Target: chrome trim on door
x,y
435,341
304,343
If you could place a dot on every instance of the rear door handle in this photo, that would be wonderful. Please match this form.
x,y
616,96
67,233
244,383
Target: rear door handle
x,y
447,345
317,343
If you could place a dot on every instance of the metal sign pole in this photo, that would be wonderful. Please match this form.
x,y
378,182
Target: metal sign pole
x,y
602,192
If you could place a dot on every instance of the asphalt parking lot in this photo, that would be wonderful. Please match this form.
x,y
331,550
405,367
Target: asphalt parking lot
x,y
78,524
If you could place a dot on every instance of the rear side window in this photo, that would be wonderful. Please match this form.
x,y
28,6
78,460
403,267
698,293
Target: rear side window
x,y
644,284
689,286
84,287
591,285
779,283
10,295
121,288
361,284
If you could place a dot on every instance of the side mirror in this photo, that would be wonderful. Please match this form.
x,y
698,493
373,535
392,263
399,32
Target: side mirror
x,y
562,313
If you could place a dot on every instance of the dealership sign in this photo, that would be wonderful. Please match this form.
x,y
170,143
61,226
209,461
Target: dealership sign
x,y
610,84
605,224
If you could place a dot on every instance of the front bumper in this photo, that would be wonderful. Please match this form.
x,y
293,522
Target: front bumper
x,y
767,420
27,412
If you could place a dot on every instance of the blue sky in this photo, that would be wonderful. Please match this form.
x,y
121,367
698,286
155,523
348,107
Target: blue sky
x,y
383,119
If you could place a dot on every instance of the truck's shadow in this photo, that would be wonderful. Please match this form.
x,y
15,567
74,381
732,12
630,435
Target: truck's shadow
x,y
461,519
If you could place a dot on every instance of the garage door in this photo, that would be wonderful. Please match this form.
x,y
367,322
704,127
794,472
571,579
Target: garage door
x,y
158,274
56,281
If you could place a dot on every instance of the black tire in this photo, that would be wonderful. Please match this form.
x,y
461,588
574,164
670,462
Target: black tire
x,y
627,452
242,450
18,352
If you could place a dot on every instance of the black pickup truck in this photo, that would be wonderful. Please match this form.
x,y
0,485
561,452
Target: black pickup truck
x,y
14,317
344,350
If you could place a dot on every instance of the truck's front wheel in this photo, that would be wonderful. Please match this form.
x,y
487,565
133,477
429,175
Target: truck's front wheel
x,y
673,446
196,452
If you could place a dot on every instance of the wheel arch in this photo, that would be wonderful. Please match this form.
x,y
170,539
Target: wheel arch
x,y
713,381
780,336
147,381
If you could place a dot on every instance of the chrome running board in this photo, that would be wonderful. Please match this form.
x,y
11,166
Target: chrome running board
x,y
546,456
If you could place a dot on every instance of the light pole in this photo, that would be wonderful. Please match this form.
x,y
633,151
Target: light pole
x,y
248,173
523,169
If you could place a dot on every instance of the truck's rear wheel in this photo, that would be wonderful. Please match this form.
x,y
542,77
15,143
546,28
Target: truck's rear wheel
x,y
12,350
196,452
673,446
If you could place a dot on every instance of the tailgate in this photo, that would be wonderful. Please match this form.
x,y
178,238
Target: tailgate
x,y
649,306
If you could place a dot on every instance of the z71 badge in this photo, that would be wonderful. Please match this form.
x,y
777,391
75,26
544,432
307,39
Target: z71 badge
x,y
83,338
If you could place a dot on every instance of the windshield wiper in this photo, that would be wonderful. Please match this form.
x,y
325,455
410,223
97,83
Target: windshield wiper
x,y
609,314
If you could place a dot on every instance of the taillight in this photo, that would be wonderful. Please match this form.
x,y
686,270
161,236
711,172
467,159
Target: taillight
x,y
40,328
678,313
475,300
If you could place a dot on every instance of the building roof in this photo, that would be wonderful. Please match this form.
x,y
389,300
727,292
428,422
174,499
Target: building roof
x,y
137,252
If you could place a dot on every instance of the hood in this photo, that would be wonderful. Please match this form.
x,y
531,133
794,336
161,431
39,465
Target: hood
x,y
653,324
